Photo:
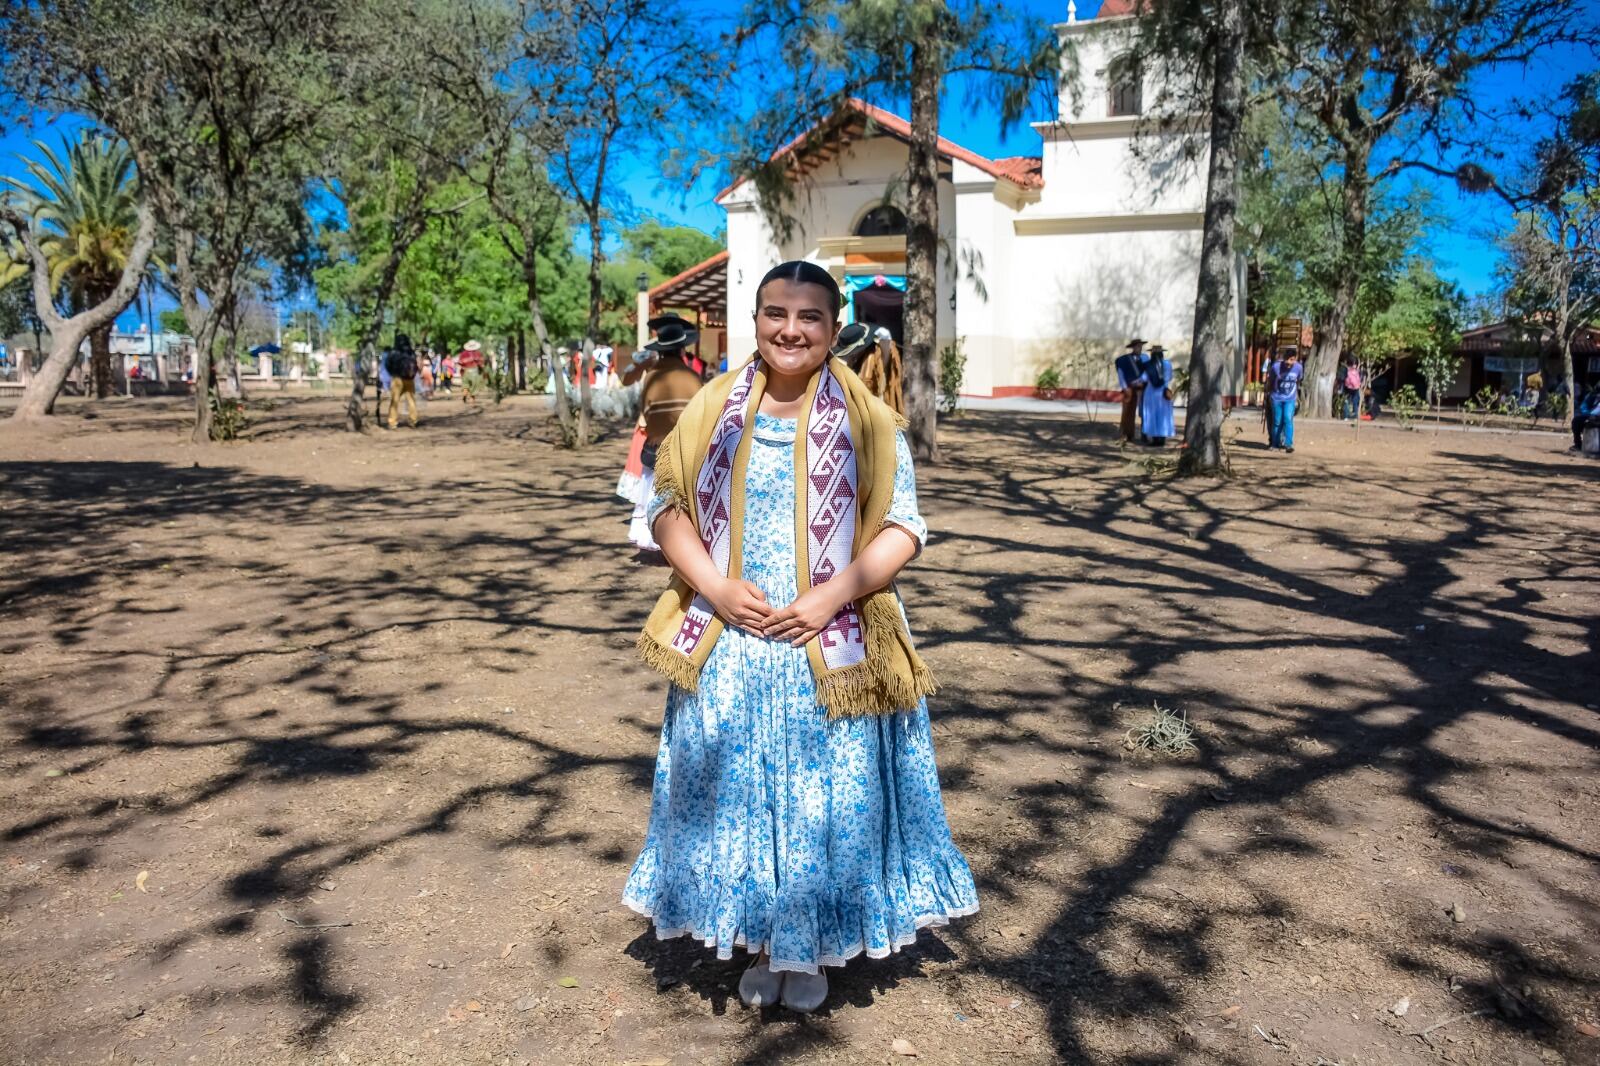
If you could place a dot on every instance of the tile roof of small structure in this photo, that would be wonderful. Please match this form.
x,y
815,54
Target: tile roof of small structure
x,y
702,285
828,138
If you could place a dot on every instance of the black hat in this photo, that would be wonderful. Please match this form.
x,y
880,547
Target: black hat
x,y
1136,340
1156,349
672,335
657,322
853,340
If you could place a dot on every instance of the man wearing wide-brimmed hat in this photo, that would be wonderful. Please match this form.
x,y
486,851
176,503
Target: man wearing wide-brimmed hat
x,y
471,362
669,384
1130,378
875,359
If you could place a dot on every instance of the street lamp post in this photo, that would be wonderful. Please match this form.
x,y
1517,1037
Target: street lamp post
x,y
642,311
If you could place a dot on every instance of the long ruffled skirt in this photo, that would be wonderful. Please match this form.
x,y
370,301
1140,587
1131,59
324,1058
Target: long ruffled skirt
x,y
772,827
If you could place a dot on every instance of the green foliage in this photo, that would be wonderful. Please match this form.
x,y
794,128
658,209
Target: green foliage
x,y
497,377
1421,317
16,307
173,320
1292,228
952,372
84,205
1439,367
1477,410
1048,379
669,249
1406,405
228,419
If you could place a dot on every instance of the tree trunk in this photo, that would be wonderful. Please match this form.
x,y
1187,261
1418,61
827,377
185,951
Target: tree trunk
x,y
1202,430
530,277
66,334
592,328
922,254
40,393
1329,346
402,237
100,361
1563,317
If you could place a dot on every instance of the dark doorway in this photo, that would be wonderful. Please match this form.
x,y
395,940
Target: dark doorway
x,y
882,305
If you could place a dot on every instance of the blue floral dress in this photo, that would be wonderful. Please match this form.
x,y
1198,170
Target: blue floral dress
x,y
771,826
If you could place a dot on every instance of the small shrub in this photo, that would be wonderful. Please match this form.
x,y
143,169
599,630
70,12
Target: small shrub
x,y
1406,405
227,418
1048,381
1557,406
497,379
1163,733
952,371
1480,408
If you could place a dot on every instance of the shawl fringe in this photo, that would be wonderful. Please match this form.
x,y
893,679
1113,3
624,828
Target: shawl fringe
x,y
673,665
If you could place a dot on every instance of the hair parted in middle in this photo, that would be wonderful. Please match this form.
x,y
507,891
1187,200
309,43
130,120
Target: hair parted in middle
x,y
804,272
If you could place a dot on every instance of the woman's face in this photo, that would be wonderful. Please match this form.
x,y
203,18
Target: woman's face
x,y
795,325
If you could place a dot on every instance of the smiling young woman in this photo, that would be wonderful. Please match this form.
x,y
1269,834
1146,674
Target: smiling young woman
x,y
796,810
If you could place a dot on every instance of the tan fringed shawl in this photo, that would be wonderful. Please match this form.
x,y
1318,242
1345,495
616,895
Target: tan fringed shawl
x,y
844,458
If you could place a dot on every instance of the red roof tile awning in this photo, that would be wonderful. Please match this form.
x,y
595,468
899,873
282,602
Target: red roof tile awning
x,y
703,287
857,119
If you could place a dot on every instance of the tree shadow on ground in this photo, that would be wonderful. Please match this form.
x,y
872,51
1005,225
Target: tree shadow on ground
x,y
1096,586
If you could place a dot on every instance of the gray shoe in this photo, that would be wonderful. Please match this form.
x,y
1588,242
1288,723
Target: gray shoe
x,y
804,992
759,987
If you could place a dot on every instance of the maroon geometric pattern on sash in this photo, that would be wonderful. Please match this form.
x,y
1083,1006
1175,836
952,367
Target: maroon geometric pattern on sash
x,y
713,492
831,514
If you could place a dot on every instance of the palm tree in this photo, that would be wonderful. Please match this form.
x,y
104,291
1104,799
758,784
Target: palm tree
x,y
85,209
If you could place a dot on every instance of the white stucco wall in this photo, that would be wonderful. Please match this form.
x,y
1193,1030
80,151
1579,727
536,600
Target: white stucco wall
x,y
829,203
1064,275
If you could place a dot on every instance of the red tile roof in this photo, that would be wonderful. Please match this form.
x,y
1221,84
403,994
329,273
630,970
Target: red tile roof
x,y
851,121
1117,8
702,285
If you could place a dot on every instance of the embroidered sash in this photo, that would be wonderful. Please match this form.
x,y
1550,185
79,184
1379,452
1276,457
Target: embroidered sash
x,y
844,458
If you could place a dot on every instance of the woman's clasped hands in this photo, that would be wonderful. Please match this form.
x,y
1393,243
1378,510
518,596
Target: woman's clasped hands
x,y
742,604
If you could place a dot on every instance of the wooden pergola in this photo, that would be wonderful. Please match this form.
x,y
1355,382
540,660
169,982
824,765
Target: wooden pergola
x,y
703,290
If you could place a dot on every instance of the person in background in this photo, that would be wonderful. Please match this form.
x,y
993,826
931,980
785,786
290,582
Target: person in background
x,y
1586,415
1533,395
1130,378
1352,389
1378,394
1283,394
424,373
449,370
385,378
873,357
1155,406
670,382
402,367
471,363
604,357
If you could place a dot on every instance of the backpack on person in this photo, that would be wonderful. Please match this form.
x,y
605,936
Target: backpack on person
x,y
1352,377
401,364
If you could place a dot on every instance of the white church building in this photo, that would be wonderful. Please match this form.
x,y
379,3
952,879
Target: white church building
x,y
1054,260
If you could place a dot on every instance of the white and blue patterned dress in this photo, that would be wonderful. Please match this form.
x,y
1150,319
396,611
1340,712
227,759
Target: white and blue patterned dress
x,y
771,826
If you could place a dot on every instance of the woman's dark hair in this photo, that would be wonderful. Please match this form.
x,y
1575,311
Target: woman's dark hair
x,y
402,343
804,272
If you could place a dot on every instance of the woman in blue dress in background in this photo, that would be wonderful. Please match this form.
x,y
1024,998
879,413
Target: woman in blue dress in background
x,y
1155,414
805,834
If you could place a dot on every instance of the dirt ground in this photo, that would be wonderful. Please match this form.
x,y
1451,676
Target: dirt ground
x,y
324,748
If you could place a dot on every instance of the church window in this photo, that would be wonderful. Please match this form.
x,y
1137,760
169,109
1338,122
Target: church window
x,y
1123,84
882,221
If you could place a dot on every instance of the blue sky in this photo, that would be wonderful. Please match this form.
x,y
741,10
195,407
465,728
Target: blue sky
x,y
1462,243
